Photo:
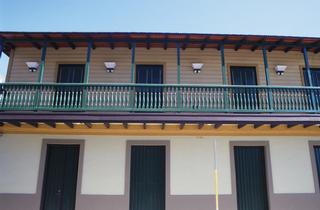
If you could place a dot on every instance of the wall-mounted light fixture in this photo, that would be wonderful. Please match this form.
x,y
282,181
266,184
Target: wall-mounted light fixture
x,y
110,66
32,66
280,69
197,67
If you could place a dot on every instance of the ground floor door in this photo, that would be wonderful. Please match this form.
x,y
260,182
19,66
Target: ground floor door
x,y
317,157
60,177
251,181
147,178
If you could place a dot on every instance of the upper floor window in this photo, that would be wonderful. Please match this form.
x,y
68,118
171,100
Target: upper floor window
x,y
243,75
315,76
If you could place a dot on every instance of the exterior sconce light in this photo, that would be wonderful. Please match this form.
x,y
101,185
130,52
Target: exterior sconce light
x,y
110,66
280,69
197,67
32,66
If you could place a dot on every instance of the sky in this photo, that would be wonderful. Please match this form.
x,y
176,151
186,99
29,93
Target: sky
x,y
268,17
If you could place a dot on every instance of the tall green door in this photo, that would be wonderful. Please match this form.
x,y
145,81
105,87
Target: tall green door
x,y
317,157
251,178
147,178
60,177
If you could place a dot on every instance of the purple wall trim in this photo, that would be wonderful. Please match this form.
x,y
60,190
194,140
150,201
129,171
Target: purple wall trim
x,y
174,202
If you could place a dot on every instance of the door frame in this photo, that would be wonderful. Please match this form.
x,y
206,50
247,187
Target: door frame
x,y
131,143
42,164
314,165
269,181
229,65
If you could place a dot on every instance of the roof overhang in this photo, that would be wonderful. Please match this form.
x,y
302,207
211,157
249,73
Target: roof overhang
x,y
157,40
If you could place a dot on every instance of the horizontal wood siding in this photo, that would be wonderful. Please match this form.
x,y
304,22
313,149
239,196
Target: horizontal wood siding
x,y
211,73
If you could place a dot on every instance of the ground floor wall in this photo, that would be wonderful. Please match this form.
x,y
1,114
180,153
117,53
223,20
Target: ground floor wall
x,y
103,181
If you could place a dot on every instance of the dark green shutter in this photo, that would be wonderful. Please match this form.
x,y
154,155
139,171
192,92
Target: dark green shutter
x,y
251,178
147,179
315,76
317,157
60,178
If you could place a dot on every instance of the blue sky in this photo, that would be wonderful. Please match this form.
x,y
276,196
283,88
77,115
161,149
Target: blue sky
x,y
272,17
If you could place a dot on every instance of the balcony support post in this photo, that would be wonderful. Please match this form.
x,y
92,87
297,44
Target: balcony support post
x,y
1,46
133,67
307,65
223,66
266,70
43,62
88,60
178,77
133,55
224,78
178,64
86,74
308,70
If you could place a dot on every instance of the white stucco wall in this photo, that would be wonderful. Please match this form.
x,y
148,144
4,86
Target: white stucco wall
x,y
191,165
19,163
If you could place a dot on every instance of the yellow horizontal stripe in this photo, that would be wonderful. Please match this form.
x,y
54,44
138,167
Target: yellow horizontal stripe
x,y
170,129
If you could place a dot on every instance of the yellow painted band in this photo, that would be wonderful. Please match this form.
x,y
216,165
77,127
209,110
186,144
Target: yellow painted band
x,y
156,130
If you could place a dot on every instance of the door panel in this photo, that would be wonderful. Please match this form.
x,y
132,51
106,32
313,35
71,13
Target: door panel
x,y
149,97
251,178
317,158
60,177
147,178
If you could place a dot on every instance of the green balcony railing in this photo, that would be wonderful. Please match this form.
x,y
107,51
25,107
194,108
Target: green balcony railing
x,y
158,98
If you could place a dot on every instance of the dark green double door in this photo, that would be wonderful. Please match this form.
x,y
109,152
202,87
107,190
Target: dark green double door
x,y
70,96
251,181
60,177
147,178
149,96
244,97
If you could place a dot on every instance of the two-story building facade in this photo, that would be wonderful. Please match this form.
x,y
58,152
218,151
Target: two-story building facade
x,y
159,121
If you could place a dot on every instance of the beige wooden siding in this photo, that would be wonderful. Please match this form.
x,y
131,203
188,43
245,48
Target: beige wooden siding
x,y
211,73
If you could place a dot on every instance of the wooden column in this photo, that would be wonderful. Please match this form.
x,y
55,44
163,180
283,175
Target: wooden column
x,y
133,62
223,66
1,46
88,60
224,78
266,70
43,61
266,66
307,66
178,64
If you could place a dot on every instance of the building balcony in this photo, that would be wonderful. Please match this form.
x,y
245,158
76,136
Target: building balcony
x,y
120,97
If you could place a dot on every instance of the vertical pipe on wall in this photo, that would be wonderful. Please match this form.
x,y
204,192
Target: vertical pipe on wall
x,y
133,52
43,62
88,60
